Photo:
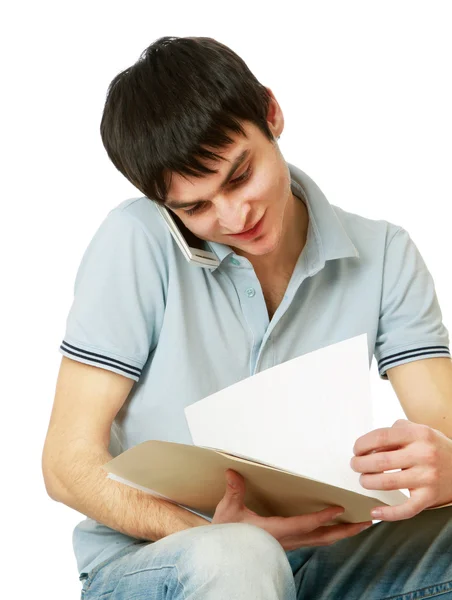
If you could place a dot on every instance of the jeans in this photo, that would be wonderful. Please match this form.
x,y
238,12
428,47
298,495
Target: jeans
x,y
401,560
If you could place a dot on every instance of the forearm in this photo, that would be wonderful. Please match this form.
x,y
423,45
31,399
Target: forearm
x,y
81,483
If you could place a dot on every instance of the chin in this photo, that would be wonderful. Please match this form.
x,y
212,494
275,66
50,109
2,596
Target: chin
x,y
263,247
263,251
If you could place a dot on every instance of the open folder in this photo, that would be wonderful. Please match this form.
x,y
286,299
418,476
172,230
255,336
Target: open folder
x,y
288,430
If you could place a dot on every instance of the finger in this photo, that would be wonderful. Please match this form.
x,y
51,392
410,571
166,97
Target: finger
x,y
383,438
406,510
310,521
398,480
326,535
300,524
383,461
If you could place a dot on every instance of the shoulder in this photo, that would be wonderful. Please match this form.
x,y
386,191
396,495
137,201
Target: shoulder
x,y
143,213
131,236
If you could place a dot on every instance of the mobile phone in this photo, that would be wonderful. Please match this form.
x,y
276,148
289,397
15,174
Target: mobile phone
x,y
191,246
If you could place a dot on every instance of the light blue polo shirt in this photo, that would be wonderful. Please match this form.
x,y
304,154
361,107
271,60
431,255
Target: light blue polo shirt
x,y
183,332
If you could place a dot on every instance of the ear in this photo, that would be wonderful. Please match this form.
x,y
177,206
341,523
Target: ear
x,y
275,117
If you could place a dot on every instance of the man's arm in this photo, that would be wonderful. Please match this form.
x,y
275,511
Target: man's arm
x,y
424,389
84,486
87,400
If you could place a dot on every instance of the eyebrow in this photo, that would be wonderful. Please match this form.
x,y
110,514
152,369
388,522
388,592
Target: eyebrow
x,y
235,165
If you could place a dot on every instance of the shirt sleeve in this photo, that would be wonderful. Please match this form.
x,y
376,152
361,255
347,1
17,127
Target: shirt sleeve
x,y
119,298
410,322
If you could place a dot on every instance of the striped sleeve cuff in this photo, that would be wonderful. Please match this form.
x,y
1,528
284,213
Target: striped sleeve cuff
x,y
399,358
100,360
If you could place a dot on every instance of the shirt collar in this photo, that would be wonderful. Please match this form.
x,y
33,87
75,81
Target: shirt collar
x,y
326,239
327,231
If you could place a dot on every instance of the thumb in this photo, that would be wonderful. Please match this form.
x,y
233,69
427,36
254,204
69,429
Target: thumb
x,y
400,423
235,489
231,506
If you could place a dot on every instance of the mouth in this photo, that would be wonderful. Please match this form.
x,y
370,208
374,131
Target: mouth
x,y
249,233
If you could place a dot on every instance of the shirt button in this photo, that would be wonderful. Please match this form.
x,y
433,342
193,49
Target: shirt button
x,y
235,262
250,292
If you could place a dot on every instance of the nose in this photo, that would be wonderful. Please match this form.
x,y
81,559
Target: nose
x,y
233,215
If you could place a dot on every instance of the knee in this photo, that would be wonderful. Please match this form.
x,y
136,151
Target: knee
x,y
237,547
223,561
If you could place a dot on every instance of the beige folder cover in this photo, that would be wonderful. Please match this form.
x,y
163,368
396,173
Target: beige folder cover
x,y
194,477
269,406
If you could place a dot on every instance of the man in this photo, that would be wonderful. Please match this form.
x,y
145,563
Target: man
x,y
193,129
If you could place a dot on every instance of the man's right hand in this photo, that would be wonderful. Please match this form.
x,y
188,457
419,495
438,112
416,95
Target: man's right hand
x,y
291,532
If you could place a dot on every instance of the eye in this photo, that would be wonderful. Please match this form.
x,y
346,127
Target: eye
x,y
243,177
234,182
195,209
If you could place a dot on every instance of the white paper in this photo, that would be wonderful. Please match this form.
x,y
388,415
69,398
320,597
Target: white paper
x,y
303,415
137,486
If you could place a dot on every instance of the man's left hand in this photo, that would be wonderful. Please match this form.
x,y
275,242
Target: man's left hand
x,y
424,456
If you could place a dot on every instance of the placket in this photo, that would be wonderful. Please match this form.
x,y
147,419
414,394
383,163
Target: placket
x,y
252,302
303,269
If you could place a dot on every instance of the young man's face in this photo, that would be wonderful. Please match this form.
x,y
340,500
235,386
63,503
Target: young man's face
x,y
254,196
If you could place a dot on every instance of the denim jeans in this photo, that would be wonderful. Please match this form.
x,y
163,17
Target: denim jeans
x,y
402,560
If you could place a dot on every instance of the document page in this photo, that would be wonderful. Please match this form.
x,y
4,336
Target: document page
x,y
303,415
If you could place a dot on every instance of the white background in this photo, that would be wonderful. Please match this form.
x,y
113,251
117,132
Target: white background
x,y
365,88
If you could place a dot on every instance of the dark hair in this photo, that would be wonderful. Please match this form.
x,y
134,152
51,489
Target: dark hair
x,y
181,97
